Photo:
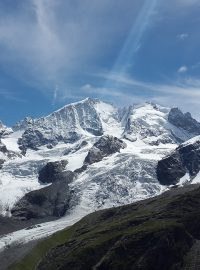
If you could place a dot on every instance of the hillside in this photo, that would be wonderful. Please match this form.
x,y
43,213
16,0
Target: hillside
x,y
159,233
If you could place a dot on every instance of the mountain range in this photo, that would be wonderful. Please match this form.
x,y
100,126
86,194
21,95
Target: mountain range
x,y
89,156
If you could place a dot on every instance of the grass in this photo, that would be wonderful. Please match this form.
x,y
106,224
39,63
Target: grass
x,y
99,234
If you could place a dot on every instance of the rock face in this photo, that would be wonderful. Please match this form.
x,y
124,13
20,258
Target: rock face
x,y
4,130
24,124
32,138
53,172
184,121
170,169
156,125
49,201
65,125
186,158
105,146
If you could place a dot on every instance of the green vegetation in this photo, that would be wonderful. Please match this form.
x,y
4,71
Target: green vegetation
x,y
32,259
150,235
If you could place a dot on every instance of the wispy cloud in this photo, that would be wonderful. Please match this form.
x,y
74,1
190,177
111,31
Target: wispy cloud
x,y
184,92
11,96
183,36
183,69
47,41
55,95
186,87
111,94
132,44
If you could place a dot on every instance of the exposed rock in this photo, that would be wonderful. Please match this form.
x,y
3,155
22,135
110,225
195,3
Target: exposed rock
x,y
1,163
186,158
4,131
105,146
184,121
33,138
82,169
53,172
65,125
49,201
147,122
170,169
24,124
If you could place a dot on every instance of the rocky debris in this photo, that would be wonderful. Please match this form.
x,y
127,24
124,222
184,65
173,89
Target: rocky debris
x,y
184,121
105,146
53,172
53,200
186,158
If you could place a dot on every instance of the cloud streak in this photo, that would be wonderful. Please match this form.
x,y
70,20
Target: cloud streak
x,y
132,43
184,93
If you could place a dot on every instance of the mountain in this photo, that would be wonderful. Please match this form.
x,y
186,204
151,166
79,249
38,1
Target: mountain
x,y
159,233
89,156
149,122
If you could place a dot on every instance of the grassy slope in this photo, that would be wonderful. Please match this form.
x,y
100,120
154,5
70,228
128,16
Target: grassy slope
x,y
137,236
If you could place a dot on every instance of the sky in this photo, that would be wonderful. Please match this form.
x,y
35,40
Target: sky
x,y
54,52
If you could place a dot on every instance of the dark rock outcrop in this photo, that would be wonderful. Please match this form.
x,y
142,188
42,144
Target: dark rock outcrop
x,y
105,146
184,121
33,138
170,169
186,158
52,200
53,172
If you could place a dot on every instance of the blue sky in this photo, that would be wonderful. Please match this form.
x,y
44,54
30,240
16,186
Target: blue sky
x,y
53,52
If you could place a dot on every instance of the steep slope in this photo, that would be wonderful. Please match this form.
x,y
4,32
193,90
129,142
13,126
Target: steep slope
x,y
138,236
182,165
159,125
69,124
